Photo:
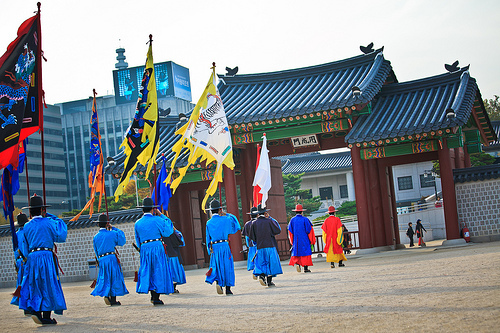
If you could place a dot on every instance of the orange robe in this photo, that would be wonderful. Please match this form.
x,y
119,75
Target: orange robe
x,y
333,239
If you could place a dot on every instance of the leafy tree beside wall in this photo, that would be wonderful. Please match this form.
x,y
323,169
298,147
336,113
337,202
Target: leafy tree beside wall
x,y
493,107
294,195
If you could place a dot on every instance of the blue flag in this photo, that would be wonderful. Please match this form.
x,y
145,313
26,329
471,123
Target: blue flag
x,y
162,193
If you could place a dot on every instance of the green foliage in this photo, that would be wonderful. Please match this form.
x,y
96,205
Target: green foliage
x,y
294,195
3,220
493,107
347,208
126,201
479,159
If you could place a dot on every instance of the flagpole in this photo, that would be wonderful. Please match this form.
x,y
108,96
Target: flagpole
x,y
26,167
40,98
102,161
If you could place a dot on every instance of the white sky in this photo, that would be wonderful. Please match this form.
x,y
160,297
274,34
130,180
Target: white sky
x,y
80,37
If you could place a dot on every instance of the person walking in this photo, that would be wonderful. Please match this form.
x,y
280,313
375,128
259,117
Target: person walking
x,y
172,246
347,240
110,282
20,258
41,291
218,229
333,237
267,260
154,271
252,249
301,235
419,229
410,234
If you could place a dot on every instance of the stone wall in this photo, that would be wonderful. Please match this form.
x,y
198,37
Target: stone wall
x,y
73,255
478,204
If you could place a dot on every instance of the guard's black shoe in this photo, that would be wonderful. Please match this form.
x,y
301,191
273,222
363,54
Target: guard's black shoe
x,y
228,291
158,302
262,280
271,284
176,291
332,265
117,303
37,317
297,267
219,289
341,265
307,270
27,313
254,277
107,301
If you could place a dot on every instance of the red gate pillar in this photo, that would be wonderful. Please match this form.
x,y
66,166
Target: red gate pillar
x,y
449,197
365,240
232,207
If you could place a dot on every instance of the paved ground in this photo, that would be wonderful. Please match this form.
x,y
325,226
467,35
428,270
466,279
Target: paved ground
x,y
417,290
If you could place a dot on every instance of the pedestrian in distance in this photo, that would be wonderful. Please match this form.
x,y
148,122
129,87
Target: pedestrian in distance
x,y
410,234
110,282
347,240
419,229
154,271
333,238
41,291
218,229
302,238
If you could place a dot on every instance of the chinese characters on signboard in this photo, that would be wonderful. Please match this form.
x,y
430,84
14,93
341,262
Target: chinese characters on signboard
x,y
304,141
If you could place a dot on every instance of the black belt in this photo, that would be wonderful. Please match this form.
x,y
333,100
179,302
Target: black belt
x,y
219,241
151,240
40,249
105,254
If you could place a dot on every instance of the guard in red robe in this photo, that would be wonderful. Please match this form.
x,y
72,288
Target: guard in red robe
x,y
333,238
302,238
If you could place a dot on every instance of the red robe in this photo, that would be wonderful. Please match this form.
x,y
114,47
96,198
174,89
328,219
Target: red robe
x,y
333,239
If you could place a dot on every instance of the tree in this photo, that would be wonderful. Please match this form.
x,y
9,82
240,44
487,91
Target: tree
x,y
347,208
493,107
479,159
294,195
3,220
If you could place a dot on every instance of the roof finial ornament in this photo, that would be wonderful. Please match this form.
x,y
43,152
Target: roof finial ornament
x,y
231,72
453,67
367,49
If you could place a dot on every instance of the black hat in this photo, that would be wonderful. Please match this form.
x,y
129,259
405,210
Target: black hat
x,y
261,210
102,218
147,203
253,211
36,202
21,219
214,205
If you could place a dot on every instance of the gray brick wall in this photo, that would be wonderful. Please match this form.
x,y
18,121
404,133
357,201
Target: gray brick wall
x,y
73,255
479,206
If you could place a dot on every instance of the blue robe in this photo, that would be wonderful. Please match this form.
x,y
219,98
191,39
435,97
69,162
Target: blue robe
x,y
20,265
154,271
41,289
221,260
110,278
267,260
300,227
252,249
172,244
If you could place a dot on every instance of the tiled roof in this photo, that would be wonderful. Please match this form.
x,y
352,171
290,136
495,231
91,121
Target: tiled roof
x,y
417,106
479,173
122,216
316,162
496,128
253,97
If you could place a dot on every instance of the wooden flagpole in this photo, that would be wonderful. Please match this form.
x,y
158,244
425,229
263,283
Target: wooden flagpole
x,y
40,98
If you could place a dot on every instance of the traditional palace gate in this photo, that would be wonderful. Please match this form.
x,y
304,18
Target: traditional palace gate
x,y
355,103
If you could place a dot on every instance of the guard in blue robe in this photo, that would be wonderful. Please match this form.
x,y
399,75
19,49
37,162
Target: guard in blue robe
x,y
172,245
267,261
301,234
218,229
41,291
110,281
154,271
252,249
20,257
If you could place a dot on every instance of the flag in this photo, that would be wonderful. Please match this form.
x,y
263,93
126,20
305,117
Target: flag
x,y
262,177
9,185
162,192
257,197
206,135
96,179
141,139
20,91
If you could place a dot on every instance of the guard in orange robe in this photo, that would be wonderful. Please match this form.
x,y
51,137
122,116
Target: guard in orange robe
x,y
333,238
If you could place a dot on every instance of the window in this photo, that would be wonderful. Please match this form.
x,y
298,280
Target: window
x,y
428,181
405,183
343,191
326,193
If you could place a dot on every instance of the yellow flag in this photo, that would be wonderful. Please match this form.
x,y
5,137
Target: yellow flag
x,y
207,137
141,140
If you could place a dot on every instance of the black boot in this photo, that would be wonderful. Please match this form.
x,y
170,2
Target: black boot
x,y
341,264
228,291
332,265
270,282
262,279
155,297
113,301
175,288
306,269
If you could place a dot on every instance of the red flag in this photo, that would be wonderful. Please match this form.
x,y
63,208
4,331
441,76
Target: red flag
x,y
20,90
